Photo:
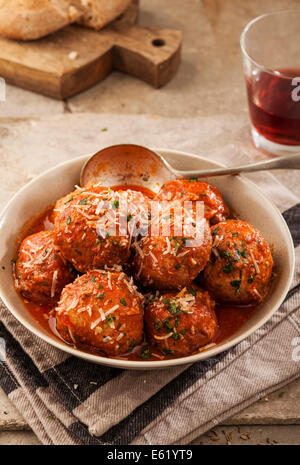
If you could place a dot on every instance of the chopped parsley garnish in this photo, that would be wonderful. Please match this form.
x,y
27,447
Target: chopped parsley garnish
x,y
192,291
177,267
45,284
103,129
69,200
215,230
166,351
166,301
241,253
68,220
129,217
131,345
237,285
235,234
228,268
156,324
225,253
192,180
175,336
176,321
14,260
100,296
115,204
183,332
93,279
145,354
167,325
251,279
84,201
110,319
123,302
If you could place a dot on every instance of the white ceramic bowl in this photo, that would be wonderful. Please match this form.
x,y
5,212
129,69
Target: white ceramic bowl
x,y
242,196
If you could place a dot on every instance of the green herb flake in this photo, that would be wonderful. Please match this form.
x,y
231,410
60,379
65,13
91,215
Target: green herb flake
x,y
69,200
156,324
177,267
93,279
215,230
104,129
225,253
235,234
251,279
129,217
192,291
228,268
131,345
145,354
123,302
175,336
237,285
100,296
281,394
115,204
166,351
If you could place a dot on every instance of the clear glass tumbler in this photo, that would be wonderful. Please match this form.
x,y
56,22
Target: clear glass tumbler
x,y
271,56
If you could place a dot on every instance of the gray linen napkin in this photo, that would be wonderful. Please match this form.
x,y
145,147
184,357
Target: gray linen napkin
x,y
68,401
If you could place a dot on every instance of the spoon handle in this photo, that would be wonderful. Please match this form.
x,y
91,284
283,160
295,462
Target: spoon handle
x,y
286,162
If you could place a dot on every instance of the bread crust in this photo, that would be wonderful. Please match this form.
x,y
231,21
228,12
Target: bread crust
x,y
32,19
98,13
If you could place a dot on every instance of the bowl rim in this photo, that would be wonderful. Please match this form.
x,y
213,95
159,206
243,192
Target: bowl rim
x,y
130,364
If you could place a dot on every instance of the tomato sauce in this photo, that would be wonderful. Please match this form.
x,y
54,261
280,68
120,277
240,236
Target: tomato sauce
x,y
231,318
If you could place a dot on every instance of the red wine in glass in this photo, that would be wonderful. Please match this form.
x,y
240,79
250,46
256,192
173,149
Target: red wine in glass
x,y
274,111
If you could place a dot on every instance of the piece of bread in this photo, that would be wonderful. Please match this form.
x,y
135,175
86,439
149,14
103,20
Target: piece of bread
x,y
98,13
32,19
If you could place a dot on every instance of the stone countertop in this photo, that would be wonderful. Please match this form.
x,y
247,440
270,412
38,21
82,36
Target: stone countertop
x,y
210,81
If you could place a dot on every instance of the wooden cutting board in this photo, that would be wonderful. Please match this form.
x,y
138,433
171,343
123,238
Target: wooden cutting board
x,y
75,58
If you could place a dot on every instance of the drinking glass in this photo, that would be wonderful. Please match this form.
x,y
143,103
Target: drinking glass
x,y
271,57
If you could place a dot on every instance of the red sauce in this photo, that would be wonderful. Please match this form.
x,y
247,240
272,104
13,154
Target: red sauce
x,y
231,318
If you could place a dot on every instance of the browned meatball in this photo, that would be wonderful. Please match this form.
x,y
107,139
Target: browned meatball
x,y
101,310
191,189
172,261
180,323
41,271
91,229
240,267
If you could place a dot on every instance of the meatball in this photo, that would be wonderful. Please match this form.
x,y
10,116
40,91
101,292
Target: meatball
x,y
172,261
91,226
180,323
240,267
191,189
101,310
41,271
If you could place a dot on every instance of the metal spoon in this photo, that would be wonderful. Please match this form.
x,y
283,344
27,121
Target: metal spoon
x,y
134,164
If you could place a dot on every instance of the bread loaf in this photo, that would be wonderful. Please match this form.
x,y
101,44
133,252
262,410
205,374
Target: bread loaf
x,y
98,13
31,19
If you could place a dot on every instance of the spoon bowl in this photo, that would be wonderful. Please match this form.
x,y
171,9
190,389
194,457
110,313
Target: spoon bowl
x,y
126,164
